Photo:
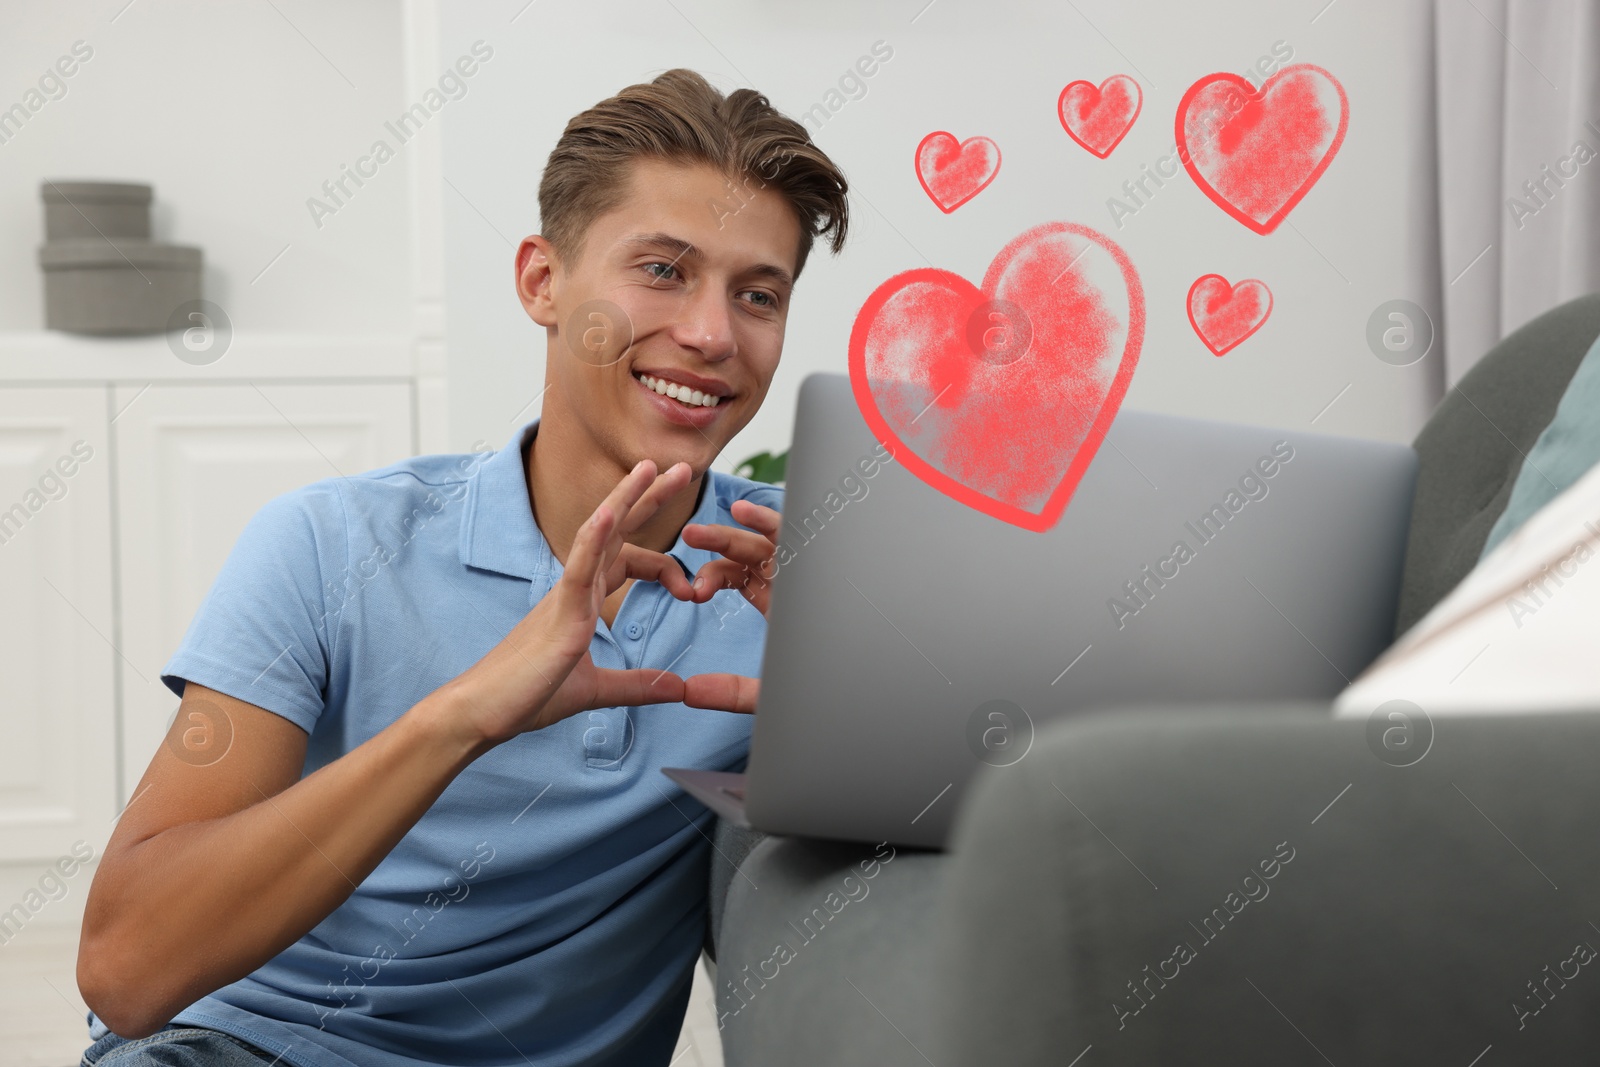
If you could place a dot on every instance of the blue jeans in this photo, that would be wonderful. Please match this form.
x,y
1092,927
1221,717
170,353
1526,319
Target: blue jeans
x,y
176,1045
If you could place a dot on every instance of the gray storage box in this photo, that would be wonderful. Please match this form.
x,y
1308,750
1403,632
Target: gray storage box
x,y
123,287
95,209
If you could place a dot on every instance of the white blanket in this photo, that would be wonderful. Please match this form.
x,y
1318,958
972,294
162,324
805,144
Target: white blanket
x,y
1520,633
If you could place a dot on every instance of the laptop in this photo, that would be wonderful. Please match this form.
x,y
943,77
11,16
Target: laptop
x,y
912,639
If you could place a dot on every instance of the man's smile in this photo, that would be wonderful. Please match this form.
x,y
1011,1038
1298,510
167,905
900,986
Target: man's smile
x,y
680,403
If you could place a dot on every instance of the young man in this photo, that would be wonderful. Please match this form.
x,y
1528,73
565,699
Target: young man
x,y
401,818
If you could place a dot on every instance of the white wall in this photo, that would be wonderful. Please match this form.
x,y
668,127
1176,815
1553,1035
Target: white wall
x,y
1366,231
238,114
229,110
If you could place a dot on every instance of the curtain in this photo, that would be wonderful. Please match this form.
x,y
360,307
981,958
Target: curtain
x,y
1518,105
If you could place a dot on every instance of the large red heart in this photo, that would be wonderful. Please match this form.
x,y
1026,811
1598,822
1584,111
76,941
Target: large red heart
x,y
999,397
951,173
1099,117
1255,153
1225,315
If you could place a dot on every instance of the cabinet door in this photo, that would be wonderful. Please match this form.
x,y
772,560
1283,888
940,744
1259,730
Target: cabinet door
x,y
194,463
57,633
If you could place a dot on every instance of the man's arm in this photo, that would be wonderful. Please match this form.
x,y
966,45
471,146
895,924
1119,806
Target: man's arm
x,y
213,870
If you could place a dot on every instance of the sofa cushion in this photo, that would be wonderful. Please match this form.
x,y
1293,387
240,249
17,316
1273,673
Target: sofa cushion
x,y
1473,445
730,844
1562,455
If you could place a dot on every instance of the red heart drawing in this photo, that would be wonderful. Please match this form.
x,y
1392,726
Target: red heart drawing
x,y
1000,397
1255,153
1225,315
951,173
1098,117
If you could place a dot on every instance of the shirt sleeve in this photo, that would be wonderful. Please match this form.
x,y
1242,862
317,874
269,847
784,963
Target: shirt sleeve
x,y
263,633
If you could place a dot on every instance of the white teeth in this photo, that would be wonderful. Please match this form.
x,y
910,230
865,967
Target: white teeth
x,y
681,393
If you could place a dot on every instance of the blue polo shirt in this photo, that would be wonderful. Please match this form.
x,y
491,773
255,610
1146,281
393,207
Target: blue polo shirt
x,y
551,905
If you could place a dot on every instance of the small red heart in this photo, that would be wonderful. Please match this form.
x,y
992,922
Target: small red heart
x,y
1256,153
1224,315
1099,117
999,397
951,173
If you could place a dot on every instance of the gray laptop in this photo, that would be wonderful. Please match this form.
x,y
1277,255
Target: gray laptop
x,y
911,638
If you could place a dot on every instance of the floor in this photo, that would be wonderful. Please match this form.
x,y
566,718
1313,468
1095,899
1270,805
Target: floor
x,y
42,1016
700,1045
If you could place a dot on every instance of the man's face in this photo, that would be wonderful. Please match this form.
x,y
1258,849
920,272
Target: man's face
x,y
686,283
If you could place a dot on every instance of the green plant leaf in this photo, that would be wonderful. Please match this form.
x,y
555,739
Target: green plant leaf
x,y
764,467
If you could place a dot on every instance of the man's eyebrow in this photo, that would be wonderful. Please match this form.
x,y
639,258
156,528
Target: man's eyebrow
x,y
682,249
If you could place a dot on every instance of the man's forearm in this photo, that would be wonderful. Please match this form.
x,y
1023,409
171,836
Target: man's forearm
x,y
203,904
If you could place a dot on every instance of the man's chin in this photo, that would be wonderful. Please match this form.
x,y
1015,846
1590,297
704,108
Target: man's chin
x,y
666,448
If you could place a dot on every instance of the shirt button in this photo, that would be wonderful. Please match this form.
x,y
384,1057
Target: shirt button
x,y
634,630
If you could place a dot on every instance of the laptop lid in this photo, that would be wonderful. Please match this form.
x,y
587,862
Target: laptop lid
x,y
912,638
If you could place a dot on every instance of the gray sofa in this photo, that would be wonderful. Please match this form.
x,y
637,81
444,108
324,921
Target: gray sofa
x,y
1214,884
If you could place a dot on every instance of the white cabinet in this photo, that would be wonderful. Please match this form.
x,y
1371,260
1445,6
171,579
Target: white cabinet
x,y
195,463
57,741
125,478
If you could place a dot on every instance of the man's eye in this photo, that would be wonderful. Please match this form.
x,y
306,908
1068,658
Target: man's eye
x,y
768,300
660,277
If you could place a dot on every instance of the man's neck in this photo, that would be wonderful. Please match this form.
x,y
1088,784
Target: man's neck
x,y
568,478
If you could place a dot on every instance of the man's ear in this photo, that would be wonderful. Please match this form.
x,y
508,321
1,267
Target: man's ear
x,y
534,278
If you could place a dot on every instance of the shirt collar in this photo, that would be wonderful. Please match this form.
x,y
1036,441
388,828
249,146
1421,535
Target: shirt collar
x,y
498,532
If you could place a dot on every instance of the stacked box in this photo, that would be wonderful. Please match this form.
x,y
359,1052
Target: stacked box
x,y
102,273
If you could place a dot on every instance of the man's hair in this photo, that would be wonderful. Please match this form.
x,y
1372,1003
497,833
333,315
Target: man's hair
x,y
679,117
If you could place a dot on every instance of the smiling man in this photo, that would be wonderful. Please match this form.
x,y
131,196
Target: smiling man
x,y
410,811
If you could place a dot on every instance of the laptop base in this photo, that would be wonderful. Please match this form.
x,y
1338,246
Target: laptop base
x,y
721,791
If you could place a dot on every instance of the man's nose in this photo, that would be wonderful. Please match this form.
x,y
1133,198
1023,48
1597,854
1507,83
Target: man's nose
x,y
706,323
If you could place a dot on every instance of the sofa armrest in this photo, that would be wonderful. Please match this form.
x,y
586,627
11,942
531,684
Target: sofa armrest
x,y
1174,888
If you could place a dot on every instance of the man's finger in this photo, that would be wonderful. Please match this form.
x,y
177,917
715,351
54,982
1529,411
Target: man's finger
x,y
583,568
751,549
626,493
722,574
665,485
622,499
636,562
722,692
644,685
758,517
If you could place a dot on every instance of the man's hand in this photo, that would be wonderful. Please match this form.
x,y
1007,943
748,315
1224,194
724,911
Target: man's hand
x,y
748,557
541,672
748,567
